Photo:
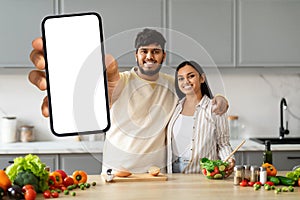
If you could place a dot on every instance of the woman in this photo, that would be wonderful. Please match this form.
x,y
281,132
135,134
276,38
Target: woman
x,y
194,131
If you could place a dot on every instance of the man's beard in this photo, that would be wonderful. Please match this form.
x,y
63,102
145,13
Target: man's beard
x,y
149,73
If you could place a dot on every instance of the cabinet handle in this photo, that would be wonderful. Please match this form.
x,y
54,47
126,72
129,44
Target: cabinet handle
x,y
293,157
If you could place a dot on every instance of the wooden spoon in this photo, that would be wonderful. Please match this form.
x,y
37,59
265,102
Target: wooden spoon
x,y
237,148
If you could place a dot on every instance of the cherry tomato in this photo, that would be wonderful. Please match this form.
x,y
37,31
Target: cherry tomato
x,y
63,188
54,194
47,194
213,173
251,183
270,183
30,194
258,183
68,181
27,187
244,183
216,169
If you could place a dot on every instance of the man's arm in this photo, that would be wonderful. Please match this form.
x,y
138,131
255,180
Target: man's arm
x,y
38,77
113,76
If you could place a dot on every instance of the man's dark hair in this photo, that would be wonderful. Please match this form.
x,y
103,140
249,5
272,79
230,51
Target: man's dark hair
x,y
149,36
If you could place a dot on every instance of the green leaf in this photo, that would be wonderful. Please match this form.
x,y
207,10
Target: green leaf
x,y
30,163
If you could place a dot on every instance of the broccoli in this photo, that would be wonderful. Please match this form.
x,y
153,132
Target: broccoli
x,y
26,177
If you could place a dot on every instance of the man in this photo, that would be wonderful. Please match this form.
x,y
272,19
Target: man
x,y
142,101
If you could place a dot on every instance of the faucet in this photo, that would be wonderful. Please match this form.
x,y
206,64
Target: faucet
x,y
282,130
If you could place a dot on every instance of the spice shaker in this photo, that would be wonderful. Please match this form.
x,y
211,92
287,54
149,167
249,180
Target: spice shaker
x,y
254,173
247,172
263,175
26,133
238,174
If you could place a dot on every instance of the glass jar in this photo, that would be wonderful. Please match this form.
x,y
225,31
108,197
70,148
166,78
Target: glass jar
x,y
233,127
247,172
238,174
26,133
254,173
8,129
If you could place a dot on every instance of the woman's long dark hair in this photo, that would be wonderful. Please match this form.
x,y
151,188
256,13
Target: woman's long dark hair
x,y
204,86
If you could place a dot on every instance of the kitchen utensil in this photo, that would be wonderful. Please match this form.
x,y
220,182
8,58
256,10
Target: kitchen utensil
x,y
237,148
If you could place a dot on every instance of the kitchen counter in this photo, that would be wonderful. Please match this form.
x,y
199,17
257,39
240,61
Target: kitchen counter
x,y
178,186
254,146
54,147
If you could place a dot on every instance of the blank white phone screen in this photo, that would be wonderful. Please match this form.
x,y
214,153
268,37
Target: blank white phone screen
x,y
77,89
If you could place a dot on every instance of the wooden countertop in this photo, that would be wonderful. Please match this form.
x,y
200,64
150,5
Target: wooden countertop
x,y
178,186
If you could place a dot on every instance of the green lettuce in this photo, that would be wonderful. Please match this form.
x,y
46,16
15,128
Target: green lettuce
x,y
31,163
295,175
209,165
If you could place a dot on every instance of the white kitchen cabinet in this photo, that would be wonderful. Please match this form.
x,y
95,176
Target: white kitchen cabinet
x,y
20,23
50,160
268,33
90,163
210,23
120,20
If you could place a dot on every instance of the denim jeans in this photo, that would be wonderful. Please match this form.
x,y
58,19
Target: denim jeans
x,y
179,165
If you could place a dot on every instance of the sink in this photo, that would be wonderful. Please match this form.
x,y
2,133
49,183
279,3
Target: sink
x,y
288,140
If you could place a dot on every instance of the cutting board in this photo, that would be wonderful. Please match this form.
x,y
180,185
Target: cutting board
x,y
138,178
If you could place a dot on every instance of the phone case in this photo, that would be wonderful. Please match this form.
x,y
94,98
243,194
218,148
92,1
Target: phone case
x,y
75,73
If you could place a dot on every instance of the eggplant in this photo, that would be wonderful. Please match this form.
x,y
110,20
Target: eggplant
x,y
15,192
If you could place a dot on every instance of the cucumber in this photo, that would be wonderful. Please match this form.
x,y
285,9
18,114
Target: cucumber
x,y
222,168
218,176
274,179
286,181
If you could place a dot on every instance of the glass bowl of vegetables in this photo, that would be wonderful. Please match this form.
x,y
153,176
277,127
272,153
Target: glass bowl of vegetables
x,y
214,169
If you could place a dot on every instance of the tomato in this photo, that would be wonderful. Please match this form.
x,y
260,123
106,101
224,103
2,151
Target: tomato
x,y
27,187
54,194
47,194
63,188
216,169
251,183
212,174
68,181
270,183
30,194
244,183
204,171
299,182
258,183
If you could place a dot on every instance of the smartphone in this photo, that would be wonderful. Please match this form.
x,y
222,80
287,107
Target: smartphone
x,y
75,73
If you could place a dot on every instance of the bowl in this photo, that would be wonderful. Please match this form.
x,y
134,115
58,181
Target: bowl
x,y
214,169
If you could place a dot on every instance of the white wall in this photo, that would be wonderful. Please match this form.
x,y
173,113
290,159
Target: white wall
x,y
254,94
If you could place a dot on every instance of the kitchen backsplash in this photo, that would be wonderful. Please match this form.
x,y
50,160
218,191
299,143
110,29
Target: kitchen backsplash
x,y
254,95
